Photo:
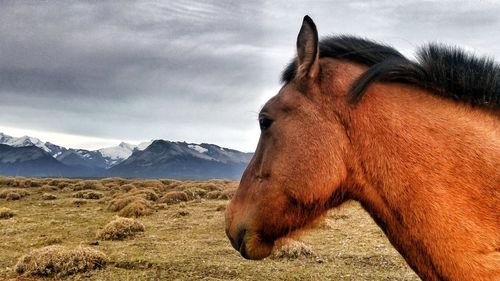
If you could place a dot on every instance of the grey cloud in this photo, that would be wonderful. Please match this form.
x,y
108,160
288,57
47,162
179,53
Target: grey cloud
x,y
193,70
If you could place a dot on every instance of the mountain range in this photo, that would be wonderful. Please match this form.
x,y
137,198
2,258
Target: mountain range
x,y
29,156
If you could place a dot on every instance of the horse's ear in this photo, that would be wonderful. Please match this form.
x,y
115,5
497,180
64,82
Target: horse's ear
x,y
307,50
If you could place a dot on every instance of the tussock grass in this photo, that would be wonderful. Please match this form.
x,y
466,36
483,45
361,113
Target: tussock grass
x,y
213,194
60,183
88,194
146,193
121,202
185,241
133,204
120,228
79,202
156,185
6,213
287,248
88,184
48,196
227,194
113,181
195,193
171,184
13,194
210,186
48,188
59,261
127,187
136,208
173,197
221,207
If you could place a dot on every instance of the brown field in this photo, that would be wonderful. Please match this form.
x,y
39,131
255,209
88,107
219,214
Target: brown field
x,y
177,233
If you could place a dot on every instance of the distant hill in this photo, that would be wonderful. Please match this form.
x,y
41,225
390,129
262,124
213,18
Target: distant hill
x,y
165,159
103,158
31,161
28,156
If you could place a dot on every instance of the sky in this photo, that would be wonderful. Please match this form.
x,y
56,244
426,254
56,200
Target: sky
x,y
90,74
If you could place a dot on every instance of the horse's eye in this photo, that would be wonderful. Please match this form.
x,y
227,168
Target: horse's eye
x,y
264,123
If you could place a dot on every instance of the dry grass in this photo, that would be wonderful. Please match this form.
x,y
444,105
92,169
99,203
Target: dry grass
x,y
227,194
6,213
48,196
133,203
136,208
60,261
121,202
127,187
88,194
214,194
13,194
88,184
49,188
288,248
79,202
183,241
173,197
120,228
146,193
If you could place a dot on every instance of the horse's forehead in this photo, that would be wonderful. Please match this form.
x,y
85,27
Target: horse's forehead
x,y
286,99
339,75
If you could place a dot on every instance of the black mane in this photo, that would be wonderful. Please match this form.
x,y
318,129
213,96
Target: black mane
x,y
445,71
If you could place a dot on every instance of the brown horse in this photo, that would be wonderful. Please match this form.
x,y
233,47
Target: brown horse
x,y
416,142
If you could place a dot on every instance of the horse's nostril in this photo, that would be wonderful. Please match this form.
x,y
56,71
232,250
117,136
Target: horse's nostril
x,y
240,238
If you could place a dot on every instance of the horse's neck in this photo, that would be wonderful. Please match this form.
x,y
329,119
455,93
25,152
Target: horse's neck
x,y
427,171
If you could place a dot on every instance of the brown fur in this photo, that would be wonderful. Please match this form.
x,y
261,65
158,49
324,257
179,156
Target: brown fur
x,y
425,168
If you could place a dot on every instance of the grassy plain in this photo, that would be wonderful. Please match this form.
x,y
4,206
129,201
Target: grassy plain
x,y
183,236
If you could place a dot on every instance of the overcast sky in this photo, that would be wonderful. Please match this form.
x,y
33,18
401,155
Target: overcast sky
x,y
90,74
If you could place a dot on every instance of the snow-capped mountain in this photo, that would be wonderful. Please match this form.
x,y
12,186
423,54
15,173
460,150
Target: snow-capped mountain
x,y
29,156
54,149
166,159
117,154
22,141
102,158
32,161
